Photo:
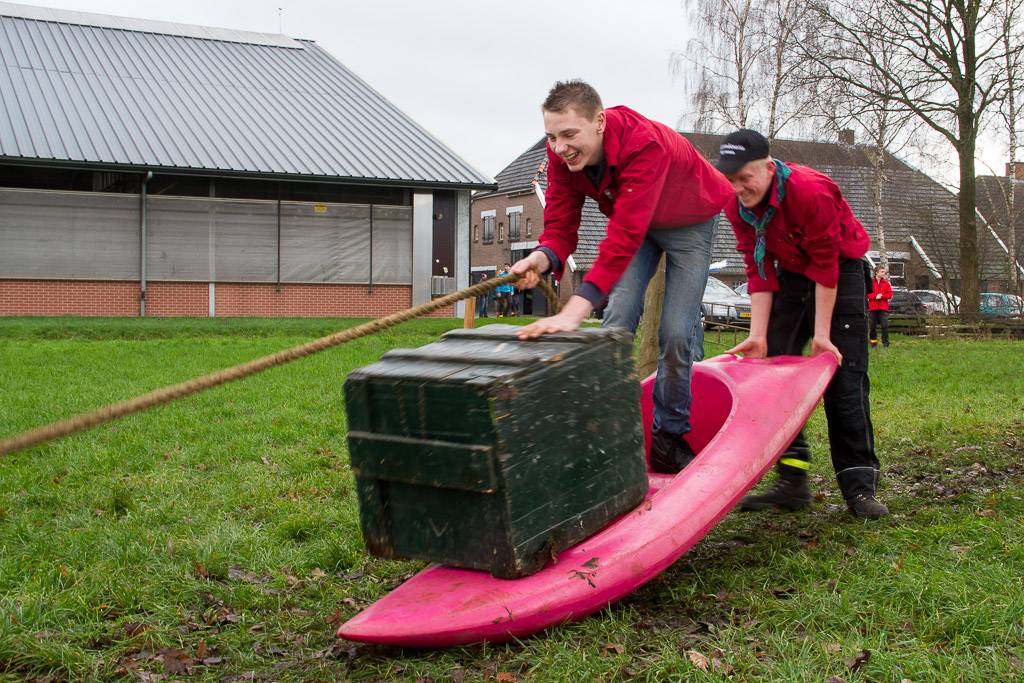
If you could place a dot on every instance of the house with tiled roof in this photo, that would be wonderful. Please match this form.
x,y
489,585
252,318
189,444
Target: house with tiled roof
x,y
992,195
920,215
507,221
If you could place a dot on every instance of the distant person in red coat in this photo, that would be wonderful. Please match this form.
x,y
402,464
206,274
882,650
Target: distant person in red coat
x,y
878,305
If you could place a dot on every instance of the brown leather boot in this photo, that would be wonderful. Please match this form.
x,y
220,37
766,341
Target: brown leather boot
x,y
867,506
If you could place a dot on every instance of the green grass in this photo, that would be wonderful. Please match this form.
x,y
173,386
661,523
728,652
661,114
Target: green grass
x,y
224,527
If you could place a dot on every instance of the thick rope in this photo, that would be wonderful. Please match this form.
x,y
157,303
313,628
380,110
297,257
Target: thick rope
x,y
158,397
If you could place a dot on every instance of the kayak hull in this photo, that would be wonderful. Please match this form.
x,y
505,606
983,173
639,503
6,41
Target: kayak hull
x,y
745,414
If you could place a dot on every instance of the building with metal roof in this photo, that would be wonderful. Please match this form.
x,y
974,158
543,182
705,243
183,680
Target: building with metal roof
x,y
280,140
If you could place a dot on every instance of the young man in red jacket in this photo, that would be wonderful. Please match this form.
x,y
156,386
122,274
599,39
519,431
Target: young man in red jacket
x,y
878,306
661,197
802,248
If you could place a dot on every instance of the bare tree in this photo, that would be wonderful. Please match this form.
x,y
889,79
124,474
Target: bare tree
x,y
742,69
1011,37
945,65
870,114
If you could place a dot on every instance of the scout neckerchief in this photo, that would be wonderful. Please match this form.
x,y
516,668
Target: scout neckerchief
x,y
761,224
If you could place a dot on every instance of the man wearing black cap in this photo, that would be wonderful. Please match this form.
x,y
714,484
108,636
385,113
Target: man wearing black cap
x,y
802,248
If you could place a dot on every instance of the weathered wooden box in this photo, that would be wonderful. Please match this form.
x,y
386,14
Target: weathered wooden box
x,y
487,452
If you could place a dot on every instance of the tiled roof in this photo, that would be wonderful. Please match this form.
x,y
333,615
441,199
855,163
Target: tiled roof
x,y
913,204
992,193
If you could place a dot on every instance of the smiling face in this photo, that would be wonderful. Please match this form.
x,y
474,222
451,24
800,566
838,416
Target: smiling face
x,y
575,138
752,181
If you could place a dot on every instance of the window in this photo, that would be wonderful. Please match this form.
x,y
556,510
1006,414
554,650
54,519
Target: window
x,y
476,233
501,232
529,228
513,226
488,229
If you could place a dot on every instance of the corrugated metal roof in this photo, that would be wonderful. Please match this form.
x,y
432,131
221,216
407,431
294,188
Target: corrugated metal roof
x,y
90,90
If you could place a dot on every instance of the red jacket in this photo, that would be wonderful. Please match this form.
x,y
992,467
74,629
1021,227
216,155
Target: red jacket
x,y
811,231
879,287
654,179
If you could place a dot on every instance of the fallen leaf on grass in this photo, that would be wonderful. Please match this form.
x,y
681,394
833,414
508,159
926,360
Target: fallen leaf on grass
x,y
614,647
221,616
986,513
176,661
851,551
506,677
457,675
835,679
317,574
720,666
200,571
698,660
133,628
833,647
859,660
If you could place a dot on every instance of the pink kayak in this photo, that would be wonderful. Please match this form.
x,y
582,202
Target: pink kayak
x,y
745,413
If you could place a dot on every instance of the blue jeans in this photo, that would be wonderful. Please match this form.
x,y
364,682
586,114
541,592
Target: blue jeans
x,y
681,336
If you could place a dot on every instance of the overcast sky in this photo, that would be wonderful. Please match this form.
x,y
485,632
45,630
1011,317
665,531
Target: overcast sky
x,y
473,72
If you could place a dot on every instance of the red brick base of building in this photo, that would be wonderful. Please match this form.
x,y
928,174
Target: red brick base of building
x,y
192,299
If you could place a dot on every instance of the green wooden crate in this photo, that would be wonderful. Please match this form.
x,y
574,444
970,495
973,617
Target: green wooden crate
x,y
487,452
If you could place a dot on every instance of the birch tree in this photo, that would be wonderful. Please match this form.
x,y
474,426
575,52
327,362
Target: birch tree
x,y
742,69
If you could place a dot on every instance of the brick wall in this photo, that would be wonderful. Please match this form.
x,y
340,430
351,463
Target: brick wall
x,y
191,299
500,251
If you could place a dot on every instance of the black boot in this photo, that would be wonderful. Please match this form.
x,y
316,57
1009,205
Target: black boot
x,y
858,485
669,452
790,492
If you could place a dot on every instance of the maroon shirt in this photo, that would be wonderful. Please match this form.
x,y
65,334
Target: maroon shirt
x,y
654,179
811,231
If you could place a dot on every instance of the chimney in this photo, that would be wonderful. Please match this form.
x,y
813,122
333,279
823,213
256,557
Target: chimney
x,y
1018,167
846,136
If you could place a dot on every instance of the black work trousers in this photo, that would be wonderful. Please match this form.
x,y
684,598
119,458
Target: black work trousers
x,y
879,318
850,434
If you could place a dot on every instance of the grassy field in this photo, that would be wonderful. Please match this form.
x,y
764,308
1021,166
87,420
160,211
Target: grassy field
x,y
218,539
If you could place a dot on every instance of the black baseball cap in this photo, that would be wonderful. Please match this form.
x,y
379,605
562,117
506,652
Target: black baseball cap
x,y
740,147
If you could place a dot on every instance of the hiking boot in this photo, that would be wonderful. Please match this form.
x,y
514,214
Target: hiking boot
x,y
789,493
669,452
867,506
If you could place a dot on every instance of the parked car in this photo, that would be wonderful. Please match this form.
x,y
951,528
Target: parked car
x,y
1001,305
722,305
906,303
938,302
742,289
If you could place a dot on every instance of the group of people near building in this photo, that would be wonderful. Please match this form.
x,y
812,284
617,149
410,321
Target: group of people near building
x,y
802,247
506,298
